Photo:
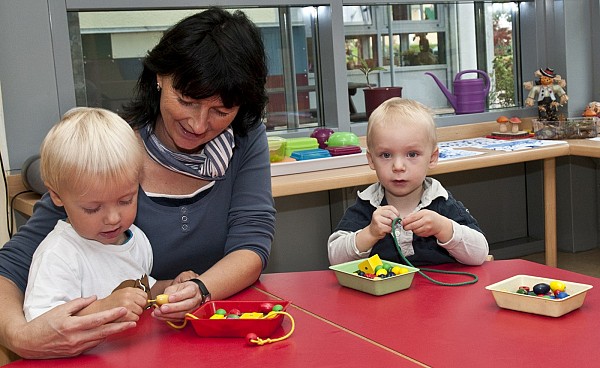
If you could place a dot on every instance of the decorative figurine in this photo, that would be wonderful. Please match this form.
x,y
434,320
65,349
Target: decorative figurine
x,y
515,122
503,121
594,106
547,93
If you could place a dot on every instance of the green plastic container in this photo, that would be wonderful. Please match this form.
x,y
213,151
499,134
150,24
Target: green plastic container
x,y
341,139
300,144
276,148
346,277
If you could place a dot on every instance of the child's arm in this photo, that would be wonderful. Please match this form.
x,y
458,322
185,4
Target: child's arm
x,y
133,299
344,246
466,245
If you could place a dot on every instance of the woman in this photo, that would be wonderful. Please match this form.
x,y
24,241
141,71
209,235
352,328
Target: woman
x,y
205,203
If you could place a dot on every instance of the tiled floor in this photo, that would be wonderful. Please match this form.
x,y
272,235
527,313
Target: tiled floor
x,y
587,263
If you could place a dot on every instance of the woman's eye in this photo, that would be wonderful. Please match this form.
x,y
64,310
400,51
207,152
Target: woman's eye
x,y
185,103
221,114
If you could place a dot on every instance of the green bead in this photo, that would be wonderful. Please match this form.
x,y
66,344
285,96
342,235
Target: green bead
x,y
277,308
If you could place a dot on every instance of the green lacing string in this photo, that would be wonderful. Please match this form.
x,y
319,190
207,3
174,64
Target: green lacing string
x,y
475,278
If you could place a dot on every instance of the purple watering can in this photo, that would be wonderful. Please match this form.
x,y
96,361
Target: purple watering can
x,y
469,94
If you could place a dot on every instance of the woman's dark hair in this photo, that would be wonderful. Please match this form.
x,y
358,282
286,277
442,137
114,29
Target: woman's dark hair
x,y
212,53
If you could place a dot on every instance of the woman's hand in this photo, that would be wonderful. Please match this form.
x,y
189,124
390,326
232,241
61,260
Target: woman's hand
x,y
183,298
59,333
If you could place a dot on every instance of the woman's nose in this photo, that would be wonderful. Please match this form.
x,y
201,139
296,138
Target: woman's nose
x,y
199,121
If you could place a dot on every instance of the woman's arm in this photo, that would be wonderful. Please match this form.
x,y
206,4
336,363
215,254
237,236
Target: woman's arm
x,y
56,333
219,280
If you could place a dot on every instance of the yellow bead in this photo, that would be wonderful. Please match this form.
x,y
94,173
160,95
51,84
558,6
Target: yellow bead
x,y
381,272
557,285
162,299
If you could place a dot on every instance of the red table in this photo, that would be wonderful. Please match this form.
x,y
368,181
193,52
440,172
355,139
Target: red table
x,y
314,343
454,326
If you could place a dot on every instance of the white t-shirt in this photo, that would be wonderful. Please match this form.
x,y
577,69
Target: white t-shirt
x,y
66,266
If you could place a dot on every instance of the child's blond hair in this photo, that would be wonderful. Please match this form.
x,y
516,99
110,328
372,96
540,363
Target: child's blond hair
x,y
90,145
397,111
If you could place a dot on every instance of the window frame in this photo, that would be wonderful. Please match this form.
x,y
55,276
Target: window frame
x,y
331,46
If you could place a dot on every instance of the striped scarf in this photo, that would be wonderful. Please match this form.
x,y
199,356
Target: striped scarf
x,y
209,164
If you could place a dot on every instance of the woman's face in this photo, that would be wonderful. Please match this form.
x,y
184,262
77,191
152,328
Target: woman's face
x,y
186,124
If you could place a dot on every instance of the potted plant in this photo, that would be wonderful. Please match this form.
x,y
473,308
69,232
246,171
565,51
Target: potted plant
x,y
374,96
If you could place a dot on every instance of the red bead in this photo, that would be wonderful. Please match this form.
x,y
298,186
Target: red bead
x,y
251,336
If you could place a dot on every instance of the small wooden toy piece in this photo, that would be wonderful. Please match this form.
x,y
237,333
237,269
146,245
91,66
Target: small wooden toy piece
x,y
509,129
160,299
589,113
503,121
516,124
251,315
368,266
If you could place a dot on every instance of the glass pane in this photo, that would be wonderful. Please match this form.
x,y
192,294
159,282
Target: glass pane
x,y
409,40
503,87
107,49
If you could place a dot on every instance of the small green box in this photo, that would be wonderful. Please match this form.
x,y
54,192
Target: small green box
x,y
276,148
300,144
345,273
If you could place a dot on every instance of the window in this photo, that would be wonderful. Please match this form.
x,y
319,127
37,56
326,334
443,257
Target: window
x,y
443,39
310,63
107,49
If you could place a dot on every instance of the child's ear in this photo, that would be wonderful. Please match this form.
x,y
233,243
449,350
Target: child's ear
x,y
55,198
433,160
370,160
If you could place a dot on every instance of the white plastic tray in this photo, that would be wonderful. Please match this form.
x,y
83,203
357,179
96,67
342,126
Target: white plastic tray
x,y
504,293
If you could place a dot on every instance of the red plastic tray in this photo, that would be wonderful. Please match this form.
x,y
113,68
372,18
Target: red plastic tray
x,y
206,327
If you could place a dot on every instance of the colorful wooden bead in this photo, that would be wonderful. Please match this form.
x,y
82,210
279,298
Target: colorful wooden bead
x,y
541,288
557,285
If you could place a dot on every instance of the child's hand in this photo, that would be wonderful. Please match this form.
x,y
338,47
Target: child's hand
x,y
426,223
133,299
381,222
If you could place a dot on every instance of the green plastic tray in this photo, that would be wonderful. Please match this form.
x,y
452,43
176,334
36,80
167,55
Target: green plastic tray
x,y
346,277
300,144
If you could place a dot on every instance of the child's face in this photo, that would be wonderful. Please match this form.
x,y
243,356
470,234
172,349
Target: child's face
x,y
401,156
98,212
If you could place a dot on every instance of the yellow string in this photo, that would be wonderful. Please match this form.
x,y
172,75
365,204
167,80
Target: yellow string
x,y
172,324
261,342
